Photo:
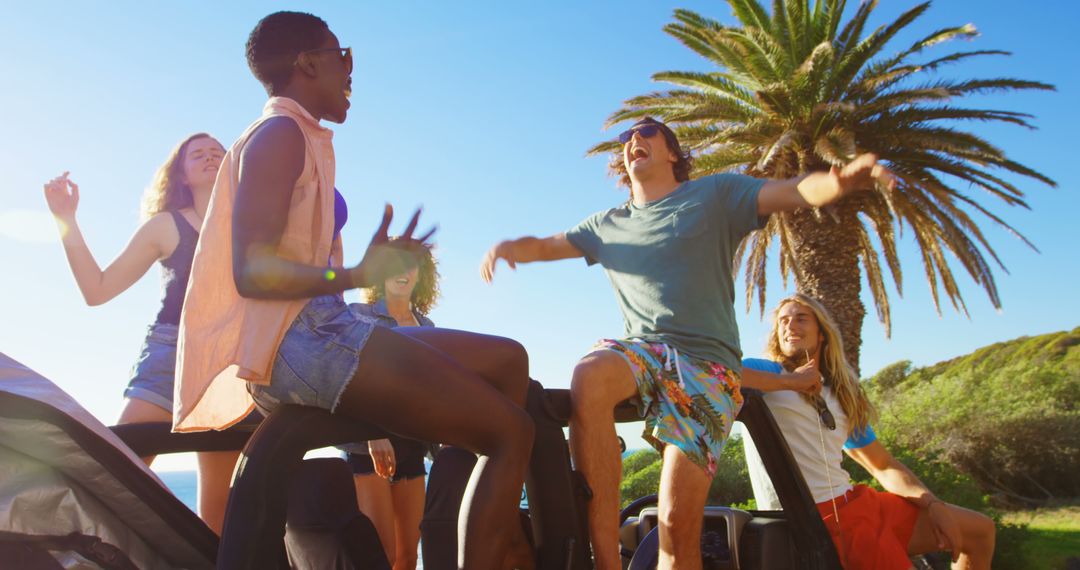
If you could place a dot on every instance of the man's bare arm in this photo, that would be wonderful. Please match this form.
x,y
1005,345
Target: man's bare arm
x,y
527,250
822,188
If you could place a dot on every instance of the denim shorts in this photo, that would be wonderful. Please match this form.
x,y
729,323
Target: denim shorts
x,y
317,357
153,374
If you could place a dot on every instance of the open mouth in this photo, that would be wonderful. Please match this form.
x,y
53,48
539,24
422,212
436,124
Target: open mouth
x,y
402,281
638,153
347,90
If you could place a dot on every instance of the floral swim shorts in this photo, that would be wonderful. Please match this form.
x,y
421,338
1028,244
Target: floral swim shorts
x,y
687,402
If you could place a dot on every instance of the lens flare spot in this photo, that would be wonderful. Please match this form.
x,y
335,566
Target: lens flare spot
x,y
29,226
330,275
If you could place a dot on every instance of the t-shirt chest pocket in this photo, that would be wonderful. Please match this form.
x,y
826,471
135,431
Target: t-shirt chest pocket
x,y
690,222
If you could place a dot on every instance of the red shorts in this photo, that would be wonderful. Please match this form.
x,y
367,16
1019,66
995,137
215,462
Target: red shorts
x,y
874,531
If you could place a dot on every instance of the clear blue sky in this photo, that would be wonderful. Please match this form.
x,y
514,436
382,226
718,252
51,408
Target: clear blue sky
x,y
480,111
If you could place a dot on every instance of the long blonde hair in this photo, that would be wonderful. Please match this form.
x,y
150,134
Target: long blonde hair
x,y
834,365
169,190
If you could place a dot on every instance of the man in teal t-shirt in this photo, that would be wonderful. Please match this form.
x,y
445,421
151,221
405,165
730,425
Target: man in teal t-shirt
x,y
668,253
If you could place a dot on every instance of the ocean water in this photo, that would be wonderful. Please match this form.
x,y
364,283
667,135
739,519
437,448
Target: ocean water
x,y
182,484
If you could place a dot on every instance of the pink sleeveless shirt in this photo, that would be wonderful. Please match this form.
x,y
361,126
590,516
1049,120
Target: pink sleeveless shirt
x,y
227,340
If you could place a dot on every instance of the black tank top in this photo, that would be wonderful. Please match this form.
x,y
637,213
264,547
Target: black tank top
x,y
175,271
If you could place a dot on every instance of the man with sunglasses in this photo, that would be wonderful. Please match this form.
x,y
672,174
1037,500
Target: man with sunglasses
x,y
871,529
668,253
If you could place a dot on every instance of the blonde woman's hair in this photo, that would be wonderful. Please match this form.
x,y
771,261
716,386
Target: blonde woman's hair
x,y
834,365
169,190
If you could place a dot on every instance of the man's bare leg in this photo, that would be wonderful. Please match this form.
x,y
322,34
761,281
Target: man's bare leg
x,y
977,535
601,380
684,487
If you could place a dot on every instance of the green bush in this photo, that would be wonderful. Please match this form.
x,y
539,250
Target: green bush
x,y
1009,546
945,480
731,486
637,460
644,480
1004,417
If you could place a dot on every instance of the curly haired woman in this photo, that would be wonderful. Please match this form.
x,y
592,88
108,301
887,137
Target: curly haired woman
x,y
389,473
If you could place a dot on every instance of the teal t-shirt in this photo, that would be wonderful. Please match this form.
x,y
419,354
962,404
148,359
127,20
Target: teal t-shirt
x,y
670,262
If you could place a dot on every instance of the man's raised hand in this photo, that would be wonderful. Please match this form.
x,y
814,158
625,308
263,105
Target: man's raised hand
x,y
862,174
502,250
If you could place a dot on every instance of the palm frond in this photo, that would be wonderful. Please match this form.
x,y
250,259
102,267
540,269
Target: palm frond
x,y
879,77
719,85
939,36
869,257
751,13
852,31
852,60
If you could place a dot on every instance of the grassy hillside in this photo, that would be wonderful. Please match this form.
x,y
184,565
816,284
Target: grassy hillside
x,y
1006,416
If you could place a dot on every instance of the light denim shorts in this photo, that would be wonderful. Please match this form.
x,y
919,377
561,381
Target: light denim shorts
x,y
153,374
317,357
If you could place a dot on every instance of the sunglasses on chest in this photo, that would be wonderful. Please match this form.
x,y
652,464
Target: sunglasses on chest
x,y
826,416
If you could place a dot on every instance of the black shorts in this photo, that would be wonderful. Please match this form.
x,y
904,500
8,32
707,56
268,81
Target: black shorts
x,y
408,454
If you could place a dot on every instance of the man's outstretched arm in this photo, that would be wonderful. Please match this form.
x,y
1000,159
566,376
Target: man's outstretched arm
x,y
526,250
822,188
897,479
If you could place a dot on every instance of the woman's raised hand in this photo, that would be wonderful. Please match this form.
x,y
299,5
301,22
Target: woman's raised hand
x,y
385,257
62,196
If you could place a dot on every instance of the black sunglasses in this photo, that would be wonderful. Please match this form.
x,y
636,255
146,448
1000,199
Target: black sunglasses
x,y
644,130
344,52
826,416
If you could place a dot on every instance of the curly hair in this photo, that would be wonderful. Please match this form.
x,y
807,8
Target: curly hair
x,y
833,366
426,291
169,190
684,162
275,43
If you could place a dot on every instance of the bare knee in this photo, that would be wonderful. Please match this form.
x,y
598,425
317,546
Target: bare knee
x,y
600,381
510,353
682,522
513,360
510,436
981,534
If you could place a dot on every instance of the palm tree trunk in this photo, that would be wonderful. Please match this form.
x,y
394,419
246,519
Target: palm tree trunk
x,y
827,268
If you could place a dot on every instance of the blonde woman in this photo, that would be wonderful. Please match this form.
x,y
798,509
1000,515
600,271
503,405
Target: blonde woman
x,y
172,212
871,529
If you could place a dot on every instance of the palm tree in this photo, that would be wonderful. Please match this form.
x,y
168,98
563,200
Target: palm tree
x,y
796,92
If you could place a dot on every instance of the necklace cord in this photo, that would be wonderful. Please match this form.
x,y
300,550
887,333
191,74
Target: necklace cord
x,y
828,479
